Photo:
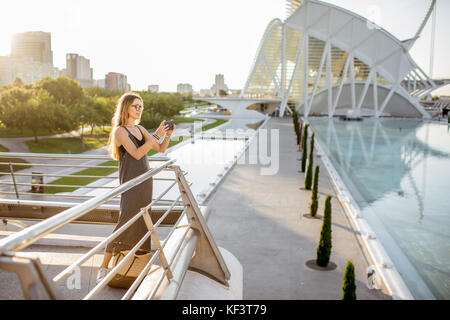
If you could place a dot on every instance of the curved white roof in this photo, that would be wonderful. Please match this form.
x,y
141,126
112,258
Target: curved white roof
x,y
352,33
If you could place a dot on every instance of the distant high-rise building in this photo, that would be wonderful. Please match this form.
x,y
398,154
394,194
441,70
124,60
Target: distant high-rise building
x,y
34,44
153,88
31,59
28,70
205,92
218,85
184,88
116,81
100,83
78,68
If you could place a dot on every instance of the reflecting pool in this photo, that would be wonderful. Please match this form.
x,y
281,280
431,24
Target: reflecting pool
x,y
398,172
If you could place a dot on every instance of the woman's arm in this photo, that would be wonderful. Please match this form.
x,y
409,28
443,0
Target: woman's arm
x,y
123,139
162,129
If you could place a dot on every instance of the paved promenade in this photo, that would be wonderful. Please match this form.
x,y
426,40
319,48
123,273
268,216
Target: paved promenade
x,y
259,218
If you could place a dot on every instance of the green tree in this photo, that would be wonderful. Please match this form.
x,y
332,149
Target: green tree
x,y
83,113
309,173
62,89
295,122
13,104
304,148
324,248
314,196
41,111
349,283
104,110
159,106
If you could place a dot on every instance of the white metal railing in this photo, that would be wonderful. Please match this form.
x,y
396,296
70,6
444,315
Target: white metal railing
x,y
190,228
14,175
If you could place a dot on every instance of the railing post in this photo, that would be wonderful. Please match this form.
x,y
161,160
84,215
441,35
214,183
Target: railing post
x,y
155,239
14,179
207,259
32,279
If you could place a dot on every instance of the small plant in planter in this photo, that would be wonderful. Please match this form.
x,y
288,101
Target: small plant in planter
x,y
304,148
309,171
314,196
324,248
349,283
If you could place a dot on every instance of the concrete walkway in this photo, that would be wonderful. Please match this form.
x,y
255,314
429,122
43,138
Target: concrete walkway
x,y
259,219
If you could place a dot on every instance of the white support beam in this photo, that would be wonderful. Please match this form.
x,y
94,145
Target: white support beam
x,y
352,80
258,60
366,87
329,81
375,92
305,73
274,79
319,73
291,82
387,99
344,73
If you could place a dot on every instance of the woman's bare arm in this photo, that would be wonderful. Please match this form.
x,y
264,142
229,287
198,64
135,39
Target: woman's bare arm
x,y
123,139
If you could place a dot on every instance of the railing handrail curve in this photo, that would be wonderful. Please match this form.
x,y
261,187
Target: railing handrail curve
x,y
33,233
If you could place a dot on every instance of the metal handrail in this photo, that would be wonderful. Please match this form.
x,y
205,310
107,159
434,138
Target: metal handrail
x,y
69,156
26,237
191,220
86,256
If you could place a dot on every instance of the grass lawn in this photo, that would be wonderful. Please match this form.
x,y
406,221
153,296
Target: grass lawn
x,y
16,133
66,145
214,124
99,171
5,167
95,171
178,119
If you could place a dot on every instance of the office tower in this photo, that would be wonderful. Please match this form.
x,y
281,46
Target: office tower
x,y
116,81
78,68
33,44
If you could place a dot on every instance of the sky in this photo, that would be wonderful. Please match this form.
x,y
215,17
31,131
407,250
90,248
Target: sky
x,y
189,41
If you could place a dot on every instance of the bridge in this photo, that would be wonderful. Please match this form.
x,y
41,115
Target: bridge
x,y
182,245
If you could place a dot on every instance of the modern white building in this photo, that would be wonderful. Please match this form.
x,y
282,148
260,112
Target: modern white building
x,y
326,60
184,88
153,88
219,84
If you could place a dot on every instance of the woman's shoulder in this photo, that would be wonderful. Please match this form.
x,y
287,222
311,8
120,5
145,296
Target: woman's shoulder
x,y
120,130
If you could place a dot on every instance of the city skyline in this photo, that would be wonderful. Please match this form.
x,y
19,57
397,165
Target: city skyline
x,y
184,46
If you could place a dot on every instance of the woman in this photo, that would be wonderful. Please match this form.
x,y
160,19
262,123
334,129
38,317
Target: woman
x,y
129,143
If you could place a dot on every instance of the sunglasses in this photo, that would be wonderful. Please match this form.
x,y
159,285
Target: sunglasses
x,y
138,107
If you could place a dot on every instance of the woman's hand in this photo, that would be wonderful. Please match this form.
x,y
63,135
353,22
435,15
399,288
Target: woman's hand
x,y
169,132
162,129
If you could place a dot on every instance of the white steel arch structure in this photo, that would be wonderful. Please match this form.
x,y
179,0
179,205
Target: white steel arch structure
x,y
326,60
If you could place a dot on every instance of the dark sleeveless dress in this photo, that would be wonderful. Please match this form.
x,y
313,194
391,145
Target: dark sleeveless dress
x,y
132,200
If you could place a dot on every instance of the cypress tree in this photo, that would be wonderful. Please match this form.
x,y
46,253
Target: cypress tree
x,y
295,122
324,248
299,137
305,151
309,171
314,198
349,283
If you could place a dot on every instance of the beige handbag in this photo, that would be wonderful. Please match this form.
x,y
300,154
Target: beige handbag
x,y
128,273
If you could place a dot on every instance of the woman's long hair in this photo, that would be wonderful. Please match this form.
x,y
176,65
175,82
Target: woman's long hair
x,y
120,118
